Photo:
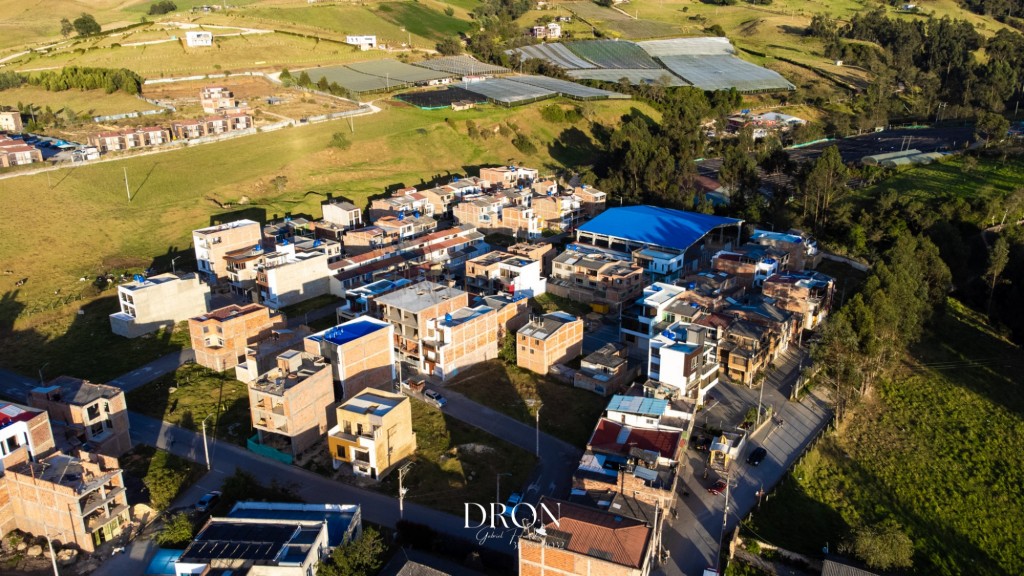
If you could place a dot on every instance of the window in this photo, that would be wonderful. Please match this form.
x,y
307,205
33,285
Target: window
x,y
341,452
206,329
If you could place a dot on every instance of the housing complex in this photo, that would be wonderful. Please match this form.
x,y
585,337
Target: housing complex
x,y
16,152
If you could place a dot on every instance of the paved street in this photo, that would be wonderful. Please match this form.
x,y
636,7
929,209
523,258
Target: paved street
x,y
693,538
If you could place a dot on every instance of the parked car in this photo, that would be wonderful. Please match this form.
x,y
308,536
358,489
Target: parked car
x,y
757,456
435,398
717,488
208,501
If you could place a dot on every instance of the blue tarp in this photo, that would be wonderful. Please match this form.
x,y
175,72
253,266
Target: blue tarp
x,y
656,226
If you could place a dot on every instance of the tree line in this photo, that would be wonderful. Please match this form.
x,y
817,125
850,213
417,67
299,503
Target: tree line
x,y
109,80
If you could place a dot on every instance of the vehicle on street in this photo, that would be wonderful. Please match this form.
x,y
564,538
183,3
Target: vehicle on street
x,y
757,456
718,487
208,501
435,398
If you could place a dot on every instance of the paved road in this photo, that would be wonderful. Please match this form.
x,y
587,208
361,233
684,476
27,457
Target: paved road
x,y
693,538
558,459
155,369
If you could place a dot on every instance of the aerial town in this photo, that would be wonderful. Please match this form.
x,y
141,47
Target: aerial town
x,y
511,288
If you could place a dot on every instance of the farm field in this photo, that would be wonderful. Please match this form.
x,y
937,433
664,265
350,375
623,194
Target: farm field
x,y
91,102
940,449
268,52
178,191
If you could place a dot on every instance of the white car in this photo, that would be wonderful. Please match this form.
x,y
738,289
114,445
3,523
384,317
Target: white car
x,y
435,398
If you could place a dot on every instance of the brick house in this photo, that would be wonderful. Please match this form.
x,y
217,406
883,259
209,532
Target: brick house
x,y
596,279
220,337
604,371
548,340
410,310
585,541
807,294
458,340
289,403
92,415
360,352
213,243
15,152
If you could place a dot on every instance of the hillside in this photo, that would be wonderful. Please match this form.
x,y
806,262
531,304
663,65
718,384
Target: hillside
x,y
939,449
88,227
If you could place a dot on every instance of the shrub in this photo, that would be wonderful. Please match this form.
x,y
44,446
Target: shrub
x,y
166,477
340,141
552,113
177,531
162,7
523,144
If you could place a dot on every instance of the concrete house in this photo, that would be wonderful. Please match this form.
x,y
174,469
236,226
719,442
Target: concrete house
x,y
360,352
682,357
458,340
270,546
343,214
289,403
802,249
502,272
93,416
605,371
807,294
10,121
548,340
374,433
410,310
221,337
216,98
213,243
148,304
198,39
288,276
14,152
507,176
596,278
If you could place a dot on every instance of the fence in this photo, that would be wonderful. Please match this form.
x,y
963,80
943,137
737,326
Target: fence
x,y
126,115
266,451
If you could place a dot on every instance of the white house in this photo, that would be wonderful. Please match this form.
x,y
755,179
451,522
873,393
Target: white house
x,y
363,42
199,39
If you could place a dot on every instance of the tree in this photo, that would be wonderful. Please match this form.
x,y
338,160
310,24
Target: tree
x,y
364,557
86,25
165,478
65,27
884,546
715,30
162,7
340,141
177,531
450,46
824,184
993,126
508,348
285,77
304,80
997,260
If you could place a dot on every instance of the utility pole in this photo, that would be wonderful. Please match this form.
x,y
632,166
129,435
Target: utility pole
x,y
725,519
538,429
206,449
53,557
402,489
760,398
126,188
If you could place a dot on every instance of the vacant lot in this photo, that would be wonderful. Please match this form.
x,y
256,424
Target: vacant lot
x,y
940,449
82,102
567,412
191,394
457,463
91,228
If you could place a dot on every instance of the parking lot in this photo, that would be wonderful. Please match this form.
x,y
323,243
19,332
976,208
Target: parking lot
x,y
943,139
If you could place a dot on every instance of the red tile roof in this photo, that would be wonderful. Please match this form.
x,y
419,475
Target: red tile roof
x,y
597,533
606,435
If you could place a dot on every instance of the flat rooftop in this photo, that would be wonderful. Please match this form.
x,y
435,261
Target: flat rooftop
x,y
369,402
155,281
638,405
464,314
546,325
230,311
339,517
271,543
419,296
227,226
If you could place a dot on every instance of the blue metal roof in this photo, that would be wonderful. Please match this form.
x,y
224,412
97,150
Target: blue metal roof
x,y
656,226
638,405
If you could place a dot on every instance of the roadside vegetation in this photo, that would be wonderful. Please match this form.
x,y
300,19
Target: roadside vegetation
x,y
565,412
193,393
163,474
457,463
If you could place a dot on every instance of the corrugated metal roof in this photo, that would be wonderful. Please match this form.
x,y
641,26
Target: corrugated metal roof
x,y
656,226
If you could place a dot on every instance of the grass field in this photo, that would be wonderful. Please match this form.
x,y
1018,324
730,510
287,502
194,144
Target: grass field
x,y
91,102
176,192
940,448
567,413
198,393
457,463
